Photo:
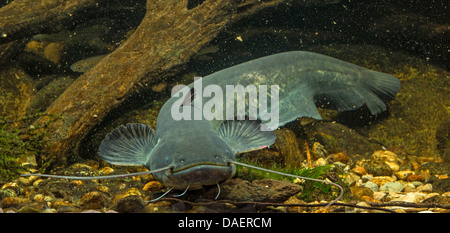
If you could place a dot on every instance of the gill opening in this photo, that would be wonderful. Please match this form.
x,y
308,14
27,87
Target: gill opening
x,y
295,176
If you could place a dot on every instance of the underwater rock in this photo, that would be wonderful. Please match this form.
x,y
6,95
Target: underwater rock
x,y
336,138
403,175
259,190
359,170
386,156
377,168
94,200
436,168
54,52
359,191
372,186
9,202
152,186
295,209
414,177
381,180
414,197
281,190
392,187
441,186
129,204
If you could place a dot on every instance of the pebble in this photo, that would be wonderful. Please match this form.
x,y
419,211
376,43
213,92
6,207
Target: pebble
x,y
377,168
7,193
386,156
409,187
129,192
416,183
415,197
152,186
38,197
426,188
320,162
403,175
130,204
106,171
350,178
414,177
369,199
381,180
8,202
360,171
442,185
394,166
13,186
94,200
372,186
392,187
359,191
295,209
339,157
366,178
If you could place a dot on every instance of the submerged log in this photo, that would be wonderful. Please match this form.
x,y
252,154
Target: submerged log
x,y
167,37
23,18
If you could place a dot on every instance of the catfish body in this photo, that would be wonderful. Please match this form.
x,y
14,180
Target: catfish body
x,y
199,152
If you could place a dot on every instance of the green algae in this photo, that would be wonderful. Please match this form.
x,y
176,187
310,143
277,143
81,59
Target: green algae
x,y
18,146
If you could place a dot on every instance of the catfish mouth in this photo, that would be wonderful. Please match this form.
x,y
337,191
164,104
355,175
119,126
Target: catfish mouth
x,y
197,175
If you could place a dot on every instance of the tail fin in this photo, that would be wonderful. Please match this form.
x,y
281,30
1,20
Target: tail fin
x,y
128,145
373,89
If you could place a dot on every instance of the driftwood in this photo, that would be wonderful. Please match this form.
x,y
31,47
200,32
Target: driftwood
x,y
22,18
167,37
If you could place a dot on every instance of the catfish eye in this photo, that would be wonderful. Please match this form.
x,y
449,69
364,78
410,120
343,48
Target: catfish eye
x,y
166,160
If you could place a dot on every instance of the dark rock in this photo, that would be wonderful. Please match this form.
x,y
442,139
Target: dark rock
x,y
130,204
442,186
336,138
282,190
437,199
359,191
377,168
259,190
94,200
436,168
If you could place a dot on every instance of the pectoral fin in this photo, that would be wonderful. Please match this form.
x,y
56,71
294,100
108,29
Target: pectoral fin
x,y
128,145
245,135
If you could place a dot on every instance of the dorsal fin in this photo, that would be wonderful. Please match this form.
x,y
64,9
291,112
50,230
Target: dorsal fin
x,y
245,135
189,97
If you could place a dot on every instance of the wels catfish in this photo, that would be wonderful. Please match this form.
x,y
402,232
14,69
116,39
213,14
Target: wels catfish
x,y
190,153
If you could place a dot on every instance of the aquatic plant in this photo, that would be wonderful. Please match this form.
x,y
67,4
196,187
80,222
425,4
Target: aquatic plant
x,y
17,144
12,148
312,190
